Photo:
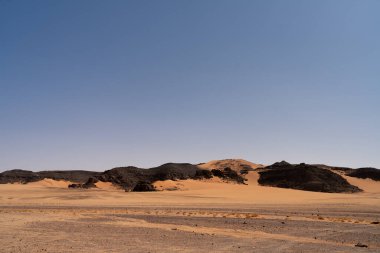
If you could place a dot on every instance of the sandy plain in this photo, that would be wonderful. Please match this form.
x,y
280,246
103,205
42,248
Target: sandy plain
x,y
198,216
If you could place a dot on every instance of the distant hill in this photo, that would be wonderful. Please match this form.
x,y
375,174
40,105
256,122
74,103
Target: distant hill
x,y
137,179
304,177
317,177
128,178
26,176
370,173
367,172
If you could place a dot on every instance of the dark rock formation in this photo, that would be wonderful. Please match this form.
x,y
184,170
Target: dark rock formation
x,y
371,173
75,186
304,177
143,187
334,168
217,173
361,245
129,178
25,176
89,184
228,174
200,174
245,170
19,176
78,176
319,178
135,179
278,165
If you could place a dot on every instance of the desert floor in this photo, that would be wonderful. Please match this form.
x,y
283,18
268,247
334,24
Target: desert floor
x,y
202,216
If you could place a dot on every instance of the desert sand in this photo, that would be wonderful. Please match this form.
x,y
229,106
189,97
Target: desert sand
x,y
188,216
235,164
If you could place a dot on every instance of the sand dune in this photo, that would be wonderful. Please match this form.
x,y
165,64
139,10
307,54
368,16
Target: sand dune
x,y
235,164
367,185
51,183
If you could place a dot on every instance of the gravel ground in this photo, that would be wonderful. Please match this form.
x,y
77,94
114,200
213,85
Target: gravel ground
x,y
154,229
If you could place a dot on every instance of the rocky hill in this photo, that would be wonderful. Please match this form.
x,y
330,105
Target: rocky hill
x,y
304,177
26,176
318,177
129,178
367,172
370,173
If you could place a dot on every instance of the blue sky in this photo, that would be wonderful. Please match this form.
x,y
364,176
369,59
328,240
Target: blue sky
x,y
97,84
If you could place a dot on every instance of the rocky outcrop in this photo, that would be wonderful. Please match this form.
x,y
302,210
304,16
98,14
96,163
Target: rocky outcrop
x,y
77,176
136,179
18,176
91,183
319,178
370,173
129,178
367,172
143,187
304,177
25,176
228,174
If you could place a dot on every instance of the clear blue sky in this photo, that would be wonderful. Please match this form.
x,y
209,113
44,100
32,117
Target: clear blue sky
x,y
97,84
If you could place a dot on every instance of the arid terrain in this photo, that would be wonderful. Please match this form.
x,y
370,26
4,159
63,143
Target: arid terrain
x,y
193,215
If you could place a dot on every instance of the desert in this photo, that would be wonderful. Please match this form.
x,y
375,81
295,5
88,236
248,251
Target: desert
x,y
189,126
180,214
